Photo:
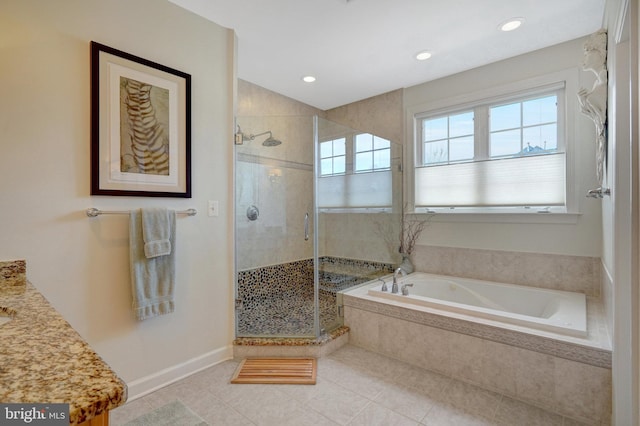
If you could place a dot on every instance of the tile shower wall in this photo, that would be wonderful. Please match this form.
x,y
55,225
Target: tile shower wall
x,y
559,272
282,192
283,176
357,236
277,180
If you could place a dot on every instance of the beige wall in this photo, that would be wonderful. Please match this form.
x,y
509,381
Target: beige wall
x,y
81,265
380,115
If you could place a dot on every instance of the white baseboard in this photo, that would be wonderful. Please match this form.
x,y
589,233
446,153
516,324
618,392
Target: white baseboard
x,y
145,385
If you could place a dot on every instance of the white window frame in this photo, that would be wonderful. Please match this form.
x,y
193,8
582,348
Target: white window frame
x,y
514,91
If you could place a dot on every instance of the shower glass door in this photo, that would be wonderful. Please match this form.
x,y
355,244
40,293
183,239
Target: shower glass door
x,y
358,208
276,293
317,211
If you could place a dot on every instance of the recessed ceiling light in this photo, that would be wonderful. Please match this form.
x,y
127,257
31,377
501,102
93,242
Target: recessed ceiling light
x,y
511,24
423,56
308,79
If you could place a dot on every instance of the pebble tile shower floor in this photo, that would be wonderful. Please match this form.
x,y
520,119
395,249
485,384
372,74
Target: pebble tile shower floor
x,y
287,316
278,300
355,387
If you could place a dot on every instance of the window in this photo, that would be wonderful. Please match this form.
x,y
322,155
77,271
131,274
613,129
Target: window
x,y
355,173
506,152
333,156
371,153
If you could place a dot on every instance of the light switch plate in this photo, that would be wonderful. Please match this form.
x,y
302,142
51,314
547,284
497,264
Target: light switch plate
x,y
213,208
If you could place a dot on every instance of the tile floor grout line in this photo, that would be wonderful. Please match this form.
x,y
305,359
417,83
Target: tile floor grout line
x,y
358,413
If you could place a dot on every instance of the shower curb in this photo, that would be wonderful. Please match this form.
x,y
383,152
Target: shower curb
x,y
263,347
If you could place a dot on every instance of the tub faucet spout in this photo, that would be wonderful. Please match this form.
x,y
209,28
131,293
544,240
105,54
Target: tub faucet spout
x,y
399,271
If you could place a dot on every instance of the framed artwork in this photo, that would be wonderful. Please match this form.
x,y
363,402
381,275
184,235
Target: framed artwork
x,y
140,126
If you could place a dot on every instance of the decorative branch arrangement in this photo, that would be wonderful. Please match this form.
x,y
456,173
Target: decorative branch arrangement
x,y
401,235
410,230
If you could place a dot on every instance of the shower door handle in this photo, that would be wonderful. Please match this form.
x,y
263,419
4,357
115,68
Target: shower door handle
x,y
306,226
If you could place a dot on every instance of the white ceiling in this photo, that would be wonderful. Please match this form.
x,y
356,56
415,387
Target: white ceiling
x,y
362,48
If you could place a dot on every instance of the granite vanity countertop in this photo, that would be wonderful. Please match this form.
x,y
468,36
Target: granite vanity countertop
x,y
44,360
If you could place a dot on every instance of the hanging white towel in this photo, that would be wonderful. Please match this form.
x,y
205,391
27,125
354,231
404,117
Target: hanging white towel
x,y
152,279
156,229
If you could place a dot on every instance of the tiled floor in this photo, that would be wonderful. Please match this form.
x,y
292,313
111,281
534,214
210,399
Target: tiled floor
x,y
354,387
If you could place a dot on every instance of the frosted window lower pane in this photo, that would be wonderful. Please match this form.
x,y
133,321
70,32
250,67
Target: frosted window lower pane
x,y
356,190
522,181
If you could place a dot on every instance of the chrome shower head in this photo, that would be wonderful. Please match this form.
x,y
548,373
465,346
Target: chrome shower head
x,y
270,141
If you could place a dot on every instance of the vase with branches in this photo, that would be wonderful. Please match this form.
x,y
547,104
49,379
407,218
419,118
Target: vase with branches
x,y
410,229
401,234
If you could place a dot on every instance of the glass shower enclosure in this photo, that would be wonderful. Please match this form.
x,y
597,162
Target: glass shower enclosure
x,y
310,221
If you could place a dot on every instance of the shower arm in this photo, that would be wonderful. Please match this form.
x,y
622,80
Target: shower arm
x,y
252,136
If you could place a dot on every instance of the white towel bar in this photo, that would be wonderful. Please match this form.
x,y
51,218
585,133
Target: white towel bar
x,y
93,212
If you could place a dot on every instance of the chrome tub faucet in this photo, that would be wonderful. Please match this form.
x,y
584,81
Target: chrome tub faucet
x,y
394,287
405,289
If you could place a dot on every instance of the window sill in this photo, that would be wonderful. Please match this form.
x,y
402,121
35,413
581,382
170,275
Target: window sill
x,y
502,217
355,209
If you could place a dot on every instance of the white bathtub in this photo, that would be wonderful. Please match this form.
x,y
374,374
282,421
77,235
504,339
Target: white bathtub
x,y
548,310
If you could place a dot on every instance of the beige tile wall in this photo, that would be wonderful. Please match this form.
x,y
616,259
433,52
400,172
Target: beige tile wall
x,y
559,272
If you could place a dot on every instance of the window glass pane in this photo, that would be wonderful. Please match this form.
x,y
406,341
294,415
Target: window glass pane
x,y
505,143
461,124
364,142
325,149
461,149
364,161
339,164
382,159
505,117
540,138
436,152
326,166
542,110
435,129
379,143
338,147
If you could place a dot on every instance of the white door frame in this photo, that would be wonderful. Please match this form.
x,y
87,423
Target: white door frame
x,y
623,130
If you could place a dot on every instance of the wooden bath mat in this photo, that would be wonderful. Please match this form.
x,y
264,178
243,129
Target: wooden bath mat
x,y
294,371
